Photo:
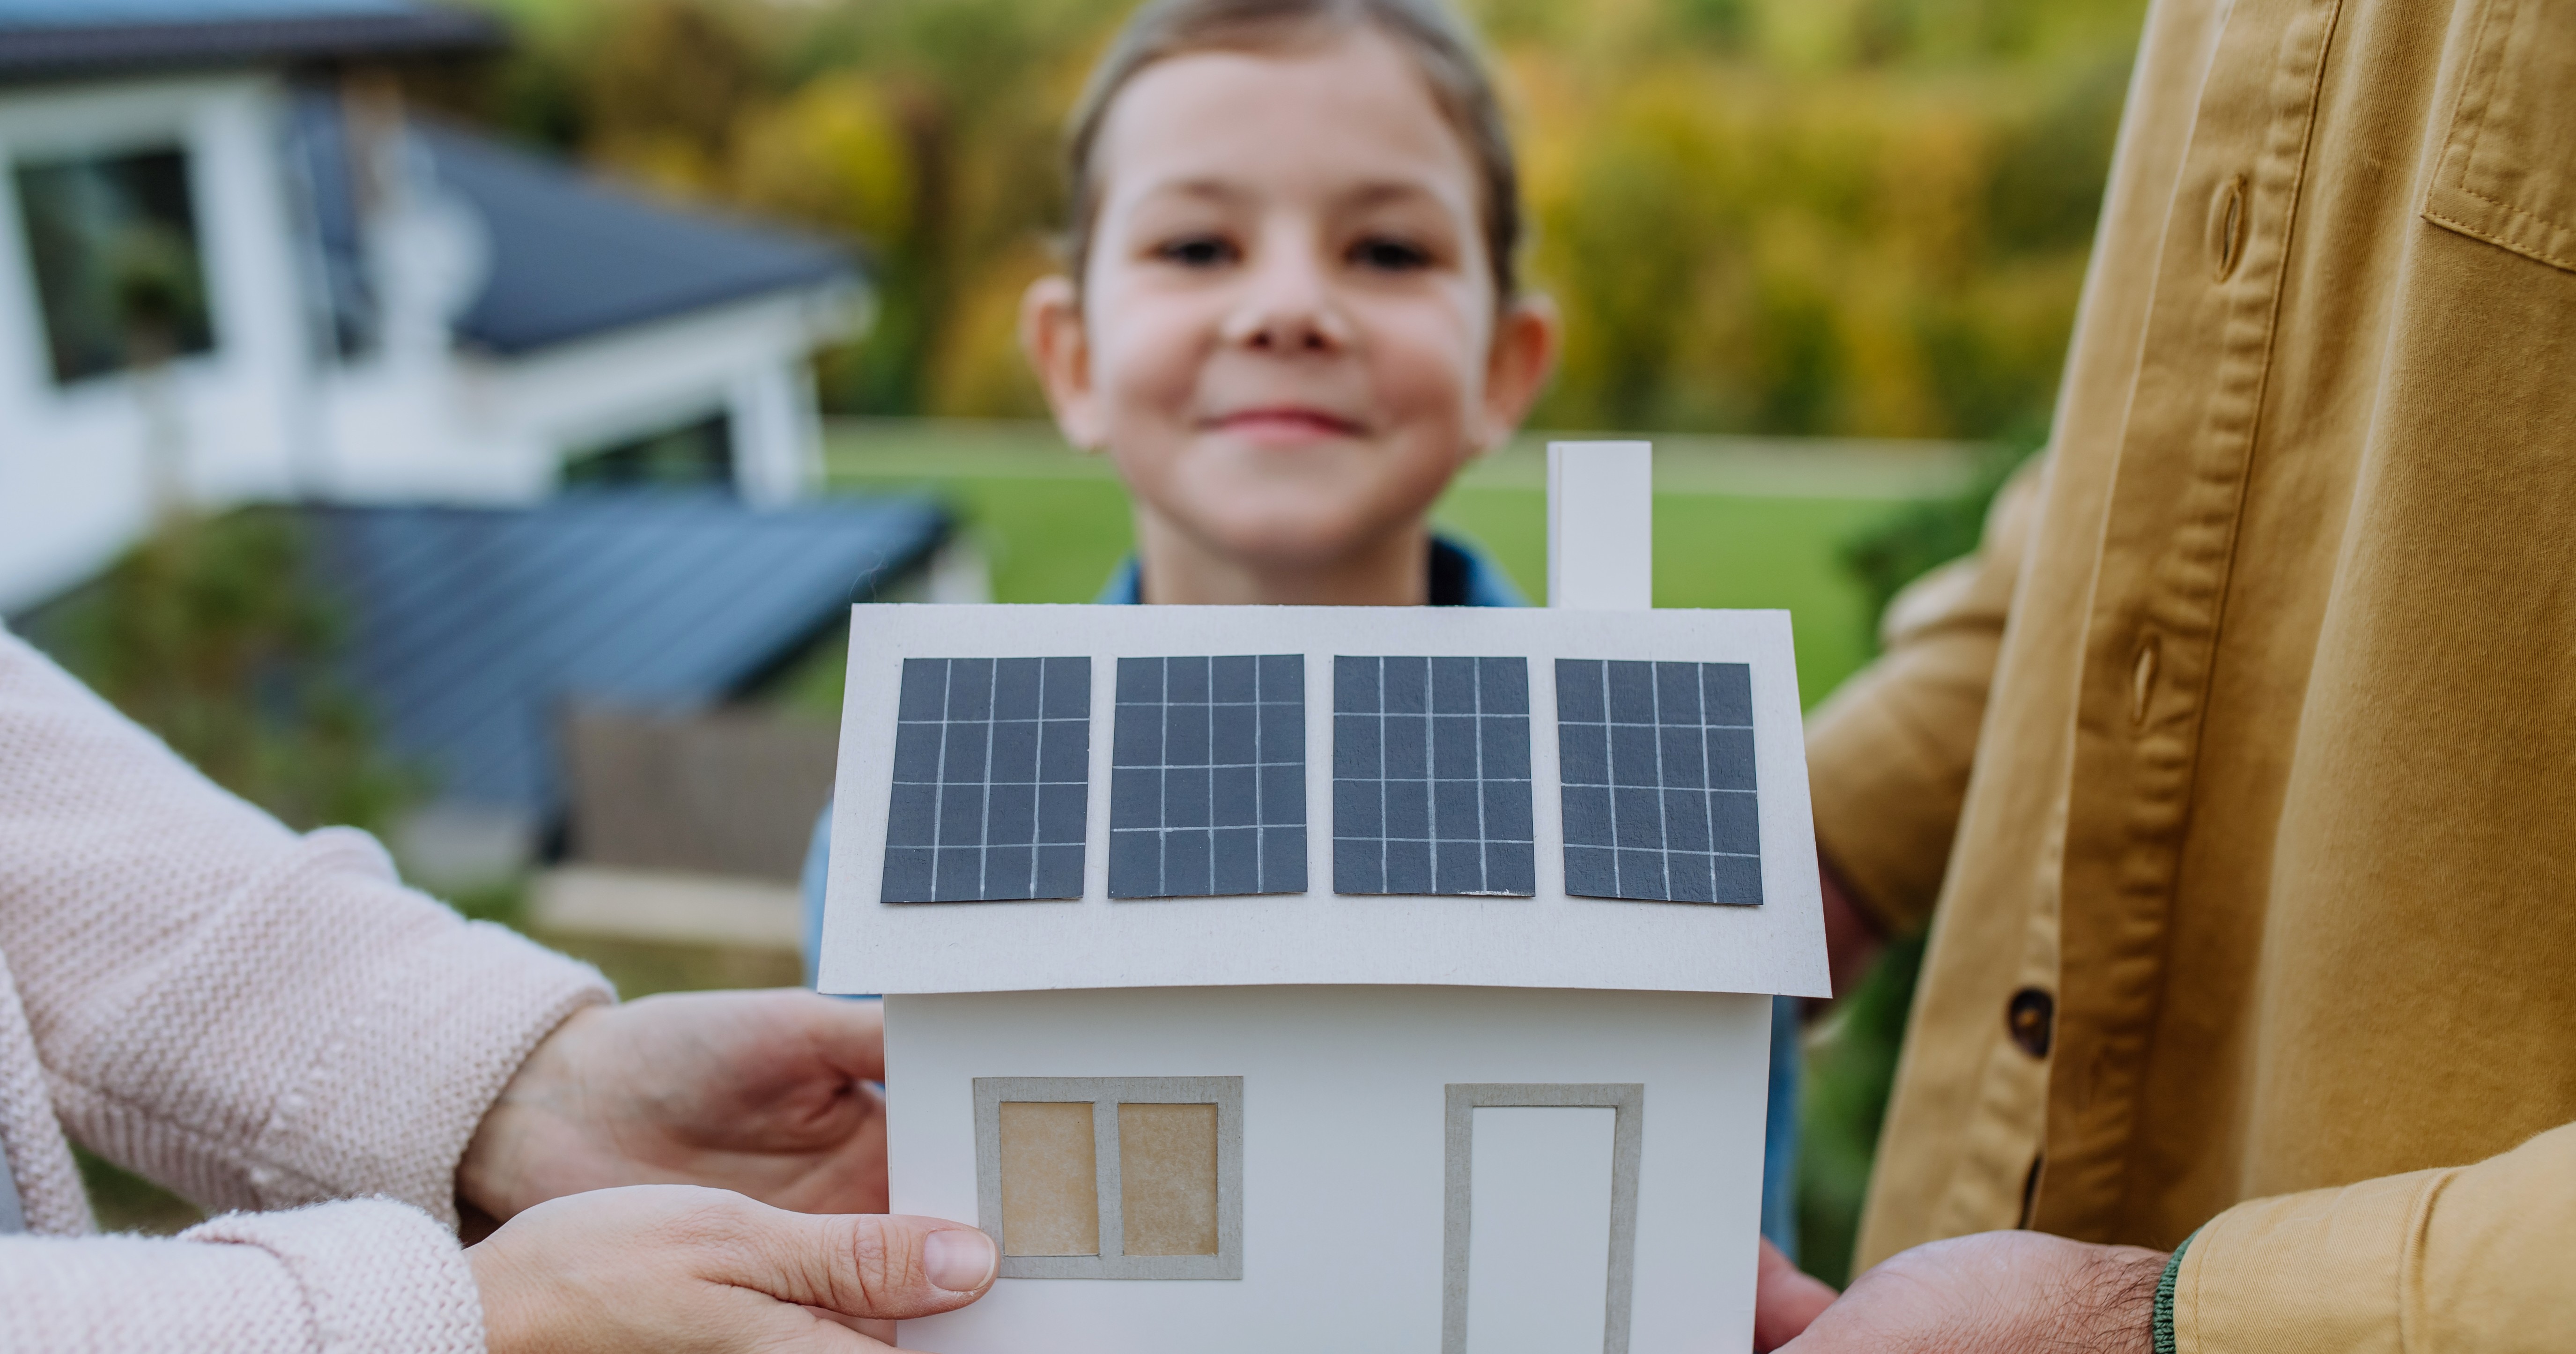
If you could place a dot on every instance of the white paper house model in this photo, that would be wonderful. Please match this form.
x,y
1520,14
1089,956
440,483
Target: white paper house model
x,y
1274,978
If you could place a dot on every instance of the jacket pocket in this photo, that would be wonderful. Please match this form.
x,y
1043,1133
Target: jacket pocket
x,y
2506,171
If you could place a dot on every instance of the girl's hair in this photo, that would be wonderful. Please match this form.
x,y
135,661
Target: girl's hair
x,y
1425,29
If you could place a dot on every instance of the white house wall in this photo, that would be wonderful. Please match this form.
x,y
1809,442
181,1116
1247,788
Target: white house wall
x,y
1344,1150
498,428
75,463
778,440
266,416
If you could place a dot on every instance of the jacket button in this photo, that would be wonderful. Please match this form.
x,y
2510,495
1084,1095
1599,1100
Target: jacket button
x,y
2030,1019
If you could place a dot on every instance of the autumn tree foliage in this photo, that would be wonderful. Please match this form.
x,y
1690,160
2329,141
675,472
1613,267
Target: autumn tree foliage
x,y
1820,217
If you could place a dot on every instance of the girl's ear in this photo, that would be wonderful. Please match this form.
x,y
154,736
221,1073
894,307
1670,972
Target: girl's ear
x,y
1526,338
1052,335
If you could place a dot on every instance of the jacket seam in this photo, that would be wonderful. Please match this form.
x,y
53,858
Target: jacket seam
x,y
2540,253
2150,1017
2410,1255
2486,93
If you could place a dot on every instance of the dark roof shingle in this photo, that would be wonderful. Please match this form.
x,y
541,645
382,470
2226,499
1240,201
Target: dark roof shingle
x,y
52,39
572,256
472,629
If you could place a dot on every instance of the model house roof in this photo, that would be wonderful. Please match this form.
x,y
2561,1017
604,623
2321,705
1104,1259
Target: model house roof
x,y
474,628
1050,797
45,39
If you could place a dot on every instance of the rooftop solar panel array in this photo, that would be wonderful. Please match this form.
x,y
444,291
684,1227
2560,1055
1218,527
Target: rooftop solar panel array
x,y
992,770
1432,779
1656,768
1431,776
1207,787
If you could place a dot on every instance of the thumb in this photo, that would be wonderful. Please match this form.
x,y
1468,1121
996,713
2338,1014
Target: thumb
x,y
1785,1300
865,1265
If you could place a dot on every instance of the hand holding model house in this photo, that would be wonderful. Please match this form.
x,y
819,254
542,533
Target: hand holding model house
x,y
761,1102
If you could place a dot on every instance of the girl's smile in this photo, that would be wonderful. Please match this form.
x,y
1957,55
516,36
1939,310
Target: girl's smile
x,y
1286,425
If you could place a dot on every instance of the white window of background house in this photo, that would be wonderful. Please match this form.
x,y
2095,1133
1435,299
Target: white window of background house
x,y
1112,1177
112,244
696,454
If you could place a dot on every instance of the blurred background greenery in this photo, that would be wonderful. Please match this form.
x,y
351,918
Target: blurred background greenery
x,y
1780,218
1803,217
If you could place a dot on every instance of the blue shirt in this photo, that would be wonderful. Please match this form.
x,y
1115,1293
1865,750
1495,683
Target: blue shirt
x,y
1461,576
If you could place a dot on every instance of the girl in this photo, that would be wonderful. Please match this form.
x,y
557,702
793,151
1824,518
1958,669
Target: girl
x,y
1290,314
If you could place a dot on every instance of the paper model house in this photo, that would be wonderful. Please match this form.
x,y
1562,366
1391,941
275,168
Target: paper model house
x,y
1296,978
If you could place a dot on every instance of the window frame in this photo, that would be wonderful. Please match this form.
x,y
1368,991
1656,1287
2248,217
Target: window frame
x,y
1627,1146
1105,1095
201,338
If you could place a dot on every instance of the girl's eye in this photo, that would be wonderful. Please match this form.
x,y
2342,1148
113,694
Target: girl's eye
x,y
1390,255
1196,251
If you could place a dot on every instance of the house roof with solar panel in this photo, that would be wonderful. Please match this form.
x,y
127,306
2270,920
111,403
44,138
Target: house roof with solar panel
x,y
1052,797
1047,797
1213,936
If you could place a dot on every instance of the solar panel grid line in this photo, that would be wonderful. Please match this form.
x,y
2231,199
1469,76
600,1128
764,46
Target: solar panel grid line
x,y
1649,754
1484,844
1260,853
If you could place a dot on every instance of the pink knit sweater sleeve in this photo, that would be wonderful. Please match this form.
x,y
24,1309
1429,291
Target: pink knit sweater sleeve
x,y
362,1277
256,1019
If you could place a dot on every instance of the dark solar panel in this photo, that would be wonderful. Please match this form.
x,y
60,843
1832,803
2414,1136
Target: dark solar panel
x,y
1431,776
992,774
1656,761
1207,791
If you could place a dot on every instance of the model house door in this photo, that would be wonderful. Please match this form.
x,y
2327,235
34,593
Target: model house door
x,y
1542,1218
1539,1245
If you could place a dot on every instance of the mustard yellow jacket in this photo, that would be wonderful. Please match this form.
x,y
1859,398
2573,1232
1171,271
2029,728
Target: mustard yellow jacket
x,y
2242,759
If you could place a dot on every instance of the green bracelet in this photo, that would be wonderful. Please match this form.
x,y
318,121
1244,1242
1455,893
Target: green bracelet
x,y
2164,1328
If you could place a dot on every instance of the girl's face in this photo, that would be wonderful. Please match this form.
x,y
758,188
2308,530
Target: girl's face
x,y
1286,333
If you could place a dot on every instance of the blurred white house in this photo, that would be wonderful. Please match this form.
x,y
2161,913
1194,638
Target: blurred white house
x,y
233,270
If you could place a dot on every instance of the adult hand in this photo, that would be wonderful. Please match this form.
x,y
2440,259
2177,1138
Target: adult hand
x,y
1995,1293
763,1093
671,1268
1785,1300
1852,938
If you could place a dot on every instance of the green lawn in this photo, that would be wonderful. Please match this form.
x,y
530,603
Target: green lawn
x,y
1712,550
1054,523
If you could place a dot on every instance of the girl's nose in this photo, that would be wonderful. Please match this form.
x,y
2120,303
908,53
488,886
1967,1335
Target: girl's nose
x,y
1288,309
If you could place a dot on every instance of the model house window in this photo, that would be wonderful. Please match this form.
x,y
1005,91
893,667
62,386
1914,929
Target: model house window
x,y
1112,1177
112,241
